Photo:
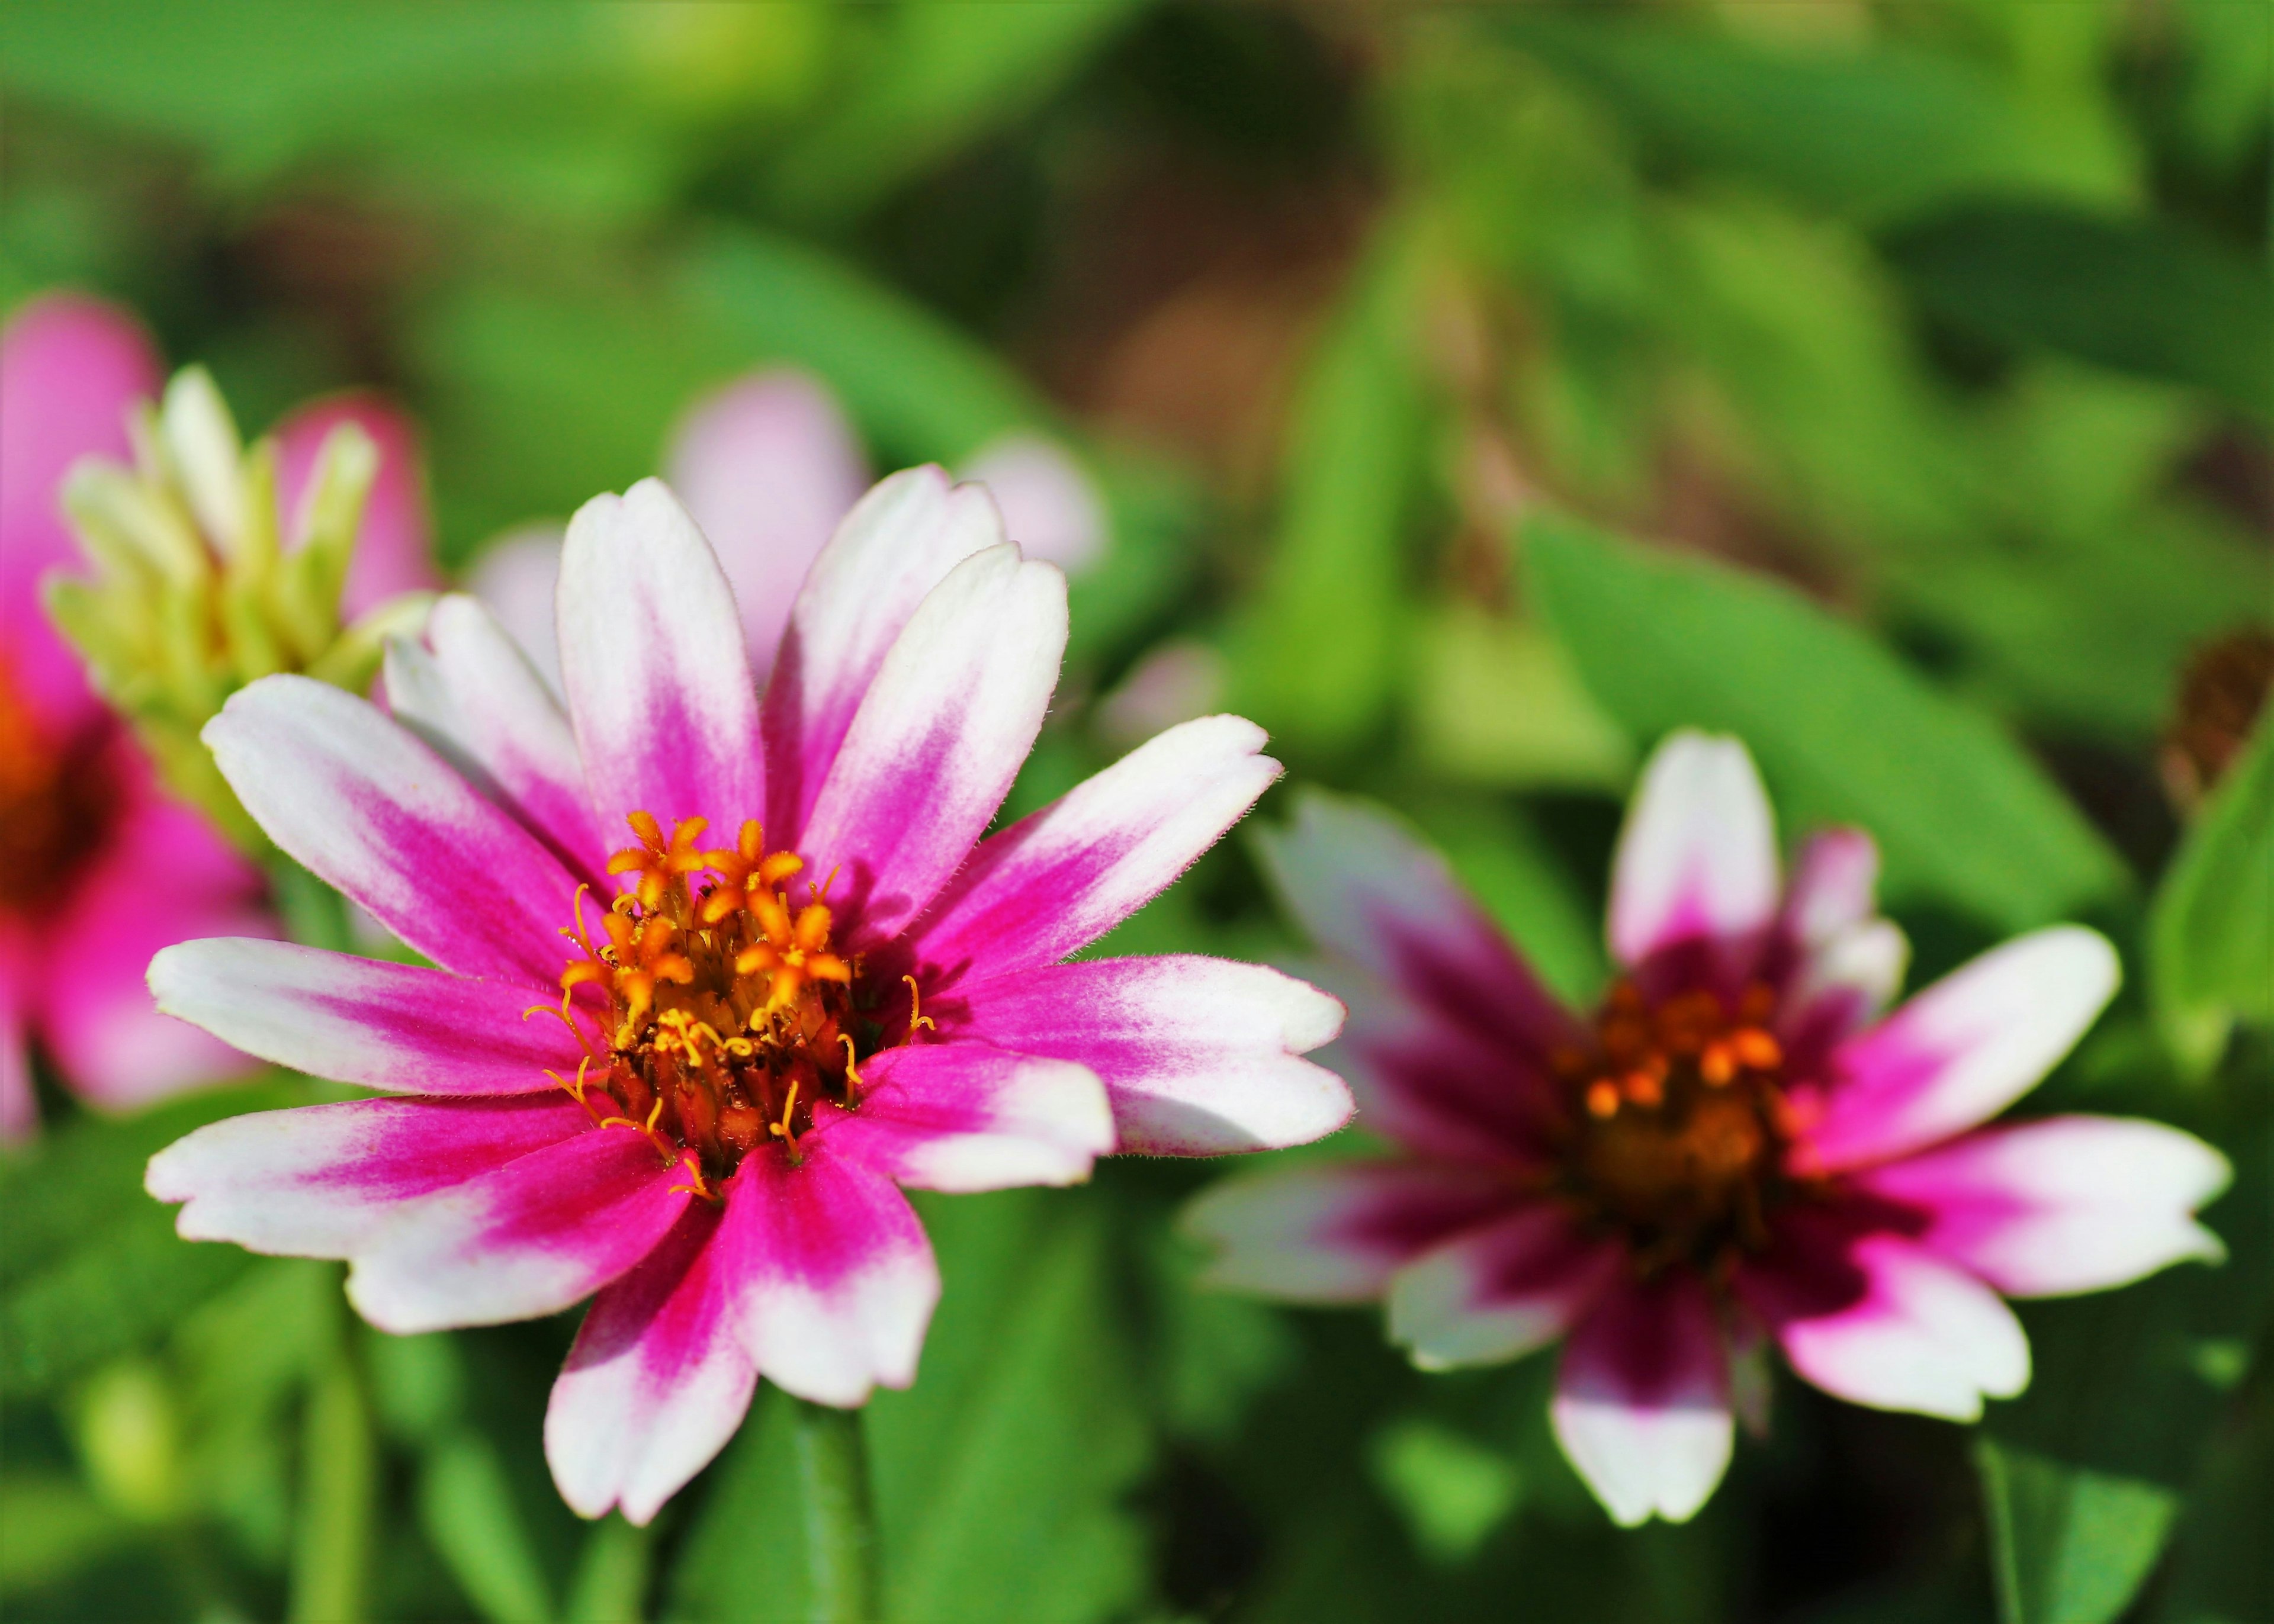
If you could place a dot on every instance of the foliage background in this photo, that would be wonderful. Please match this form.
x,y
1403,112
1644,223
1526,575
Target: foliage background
x,y
1478,392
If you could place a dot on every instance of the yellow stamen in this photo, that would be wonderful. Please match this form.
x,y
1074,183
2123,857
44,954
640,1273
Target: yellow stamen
x,y
916,1016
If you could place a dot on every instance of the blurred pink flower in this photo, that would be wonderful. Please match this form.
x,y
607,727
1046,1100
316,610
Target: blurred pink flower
x,y
704,1117
100,868
1738,1149
768,465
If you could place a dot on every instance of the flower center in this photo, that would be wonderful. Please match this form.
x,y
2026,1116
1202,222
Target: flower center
x,y
1676,1123
57,802
723,1015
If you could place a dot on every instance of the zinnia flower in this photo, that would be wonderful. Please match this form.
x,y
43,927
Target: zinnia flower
x,y
99,866
1736,1148
689,1075
767,465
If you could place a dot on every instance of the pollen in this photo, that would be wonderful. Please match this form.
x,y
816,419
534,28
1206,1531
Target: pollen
x,y
720,1015
1672,1133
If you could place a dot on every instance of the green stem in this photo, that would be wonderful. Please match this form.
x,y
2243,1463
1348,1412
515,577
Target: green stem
x,y
338,1465
840,1525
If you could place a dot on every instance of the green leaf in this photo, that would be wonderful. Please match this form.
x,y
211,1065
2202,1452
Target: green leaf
x,y
2143,296
2069,1547
1000,1477
467,1509
2210,932
1313,659
2219,1573
1495,701
53,1528
1842,730
1452,1491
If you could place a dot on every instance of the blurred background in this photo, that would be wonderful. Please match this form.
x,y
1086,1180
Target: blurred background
x,y
1469,393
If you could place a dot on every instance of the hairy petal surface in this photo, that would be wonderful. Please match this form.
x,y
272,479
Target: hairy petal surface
x,y
1963,1050
657,1380
966,1117
898,541
1059,879
319,1181
940,734
1642,1401
1697,862
1197,1056
835,1280
2063,1205
659,683
1501,1289
1335,1233
533,1238
1876,1319
485,708
400,1027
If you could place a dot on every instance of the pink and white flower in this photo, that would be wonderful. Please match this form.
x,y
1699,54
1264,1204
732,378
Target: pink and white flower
x,y
768,464
98,867
761,1032
1738,1147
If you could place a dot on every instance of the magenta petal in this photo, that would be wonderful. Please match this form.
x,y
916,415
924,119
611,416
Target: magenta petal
x,y
365,805
319,1181
1875,1319
1501,1289
1963,1050
1369,891
19,1108
941,733
516,578
1197,1056
533,1238
659,686
482,705
767,465
1697,862
71,367
967,1117
835,1278
1335,1233
2065,1204
898,541
394,550
1050,506
399,1027
1642,1401
1056,881
657,1382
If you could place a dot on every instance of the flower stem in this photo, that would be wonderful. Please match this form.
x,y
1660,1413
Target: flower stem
x,y
840,1525
338,1468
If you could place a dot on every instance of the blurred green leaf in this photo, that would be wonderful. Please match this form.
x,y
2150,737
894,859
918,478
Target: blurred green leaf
x,y
1495,701
1843,731
466,1508
2221,1567
610,1581
936,77
1313,661
1000,1477
2149,295
1452,1491
51,1527
2069,1547
336,1532
2210,932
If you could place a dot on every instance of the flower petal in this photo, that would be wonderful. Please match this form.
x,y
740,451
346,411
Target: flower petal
x,y
321,1180
940,734
19,1107
394,550
2064,1205
966,1116
1334,1233
652,655
1501,1289
1963,1050
1697,862
835,1278
487,712
1197,1056
1642,1401
400,1027
767,465
1059,879
1876,1319
518,578
898,541
657,1380
365,805
533,1238
1369,890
